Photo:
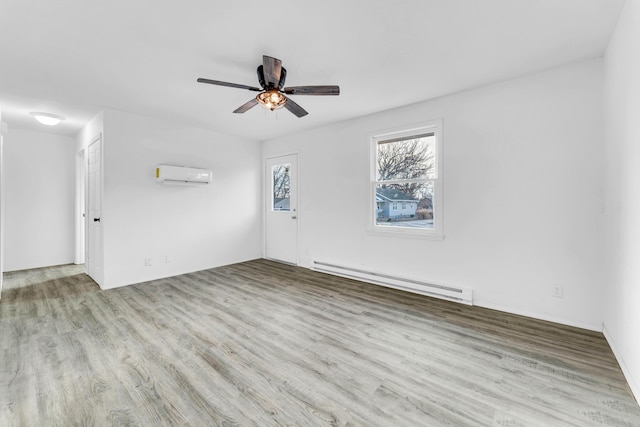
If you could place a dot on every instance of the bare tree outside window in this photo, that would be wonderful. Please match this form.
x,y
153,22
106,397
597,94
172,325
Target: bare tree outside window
x,y
406,160
405,170
281,187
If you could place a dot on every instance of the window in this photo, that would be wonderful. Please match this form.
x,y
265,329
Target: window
x,y
406,171
281,185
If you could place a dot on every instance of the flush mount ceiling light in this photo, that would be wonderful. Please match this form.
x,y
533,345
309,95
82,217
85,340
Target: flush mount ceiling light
x,y
47,118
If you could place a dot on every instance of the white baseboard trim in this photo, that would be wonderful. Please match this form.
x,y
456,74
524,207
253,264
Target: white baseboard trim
x,y
554,319
635,389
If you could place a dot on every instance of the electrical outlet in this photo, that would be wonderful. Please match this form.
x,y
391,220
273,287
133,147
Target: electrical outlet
x,y
147,262
167,259
557,291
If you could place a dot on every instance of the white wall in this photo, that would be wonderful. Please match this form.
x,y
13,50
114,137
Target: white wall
x,y
39,199
522,194
196,227
90,132
2,132
622,207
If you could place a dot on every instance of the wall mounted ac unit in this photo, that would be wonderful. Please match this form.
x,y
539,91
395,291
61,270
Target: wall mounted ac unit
x,y
181,175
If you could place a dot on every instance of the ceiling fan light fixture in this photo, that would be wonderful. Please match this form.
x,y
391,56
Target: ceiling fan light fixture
x,y
47,118
271,99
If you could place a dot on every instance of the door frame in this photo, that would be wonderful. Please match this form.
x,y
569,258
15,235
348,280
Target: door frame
x,y
87,246
81,205
266,205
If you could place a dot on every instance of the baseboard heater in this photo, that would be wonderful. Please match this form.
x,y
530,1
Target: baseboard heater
x,y
451,293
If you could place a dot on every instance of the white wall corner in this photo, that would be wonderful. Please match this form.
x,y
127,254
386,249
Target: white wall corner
x,y
634,384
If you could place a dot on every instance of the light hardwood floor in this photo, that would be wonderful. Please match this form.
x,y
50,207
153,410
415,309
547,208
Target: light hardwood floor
x,y
260,343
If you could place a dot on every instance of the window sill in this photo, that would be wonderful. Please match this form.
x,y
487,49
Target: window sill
x,y
405,233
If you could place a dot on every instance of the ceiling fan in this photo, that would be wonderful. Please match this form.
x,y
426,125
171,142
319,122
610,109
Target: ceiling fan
x,y
271,76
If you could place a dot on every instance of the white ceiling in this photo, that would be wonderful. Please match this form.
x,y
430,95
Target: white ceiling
x,y
75,57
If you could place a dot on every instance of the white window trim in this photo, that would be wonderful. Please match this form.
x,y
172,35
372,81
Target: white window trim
x,y
435,233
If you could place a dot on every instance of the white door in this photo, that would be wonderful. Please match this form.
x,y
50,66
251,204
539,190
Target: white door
x,y
281,216
94,211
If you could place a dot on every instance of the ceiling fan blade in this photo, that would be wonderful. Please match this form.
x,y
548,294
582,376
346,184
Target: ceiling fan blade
x,y
312,90
295,108
246,106
261,77
219,83
272,68
283,78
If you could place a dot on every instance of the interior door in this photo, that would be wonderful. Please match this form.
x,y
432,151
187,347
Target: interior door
x,y
94,211
281,216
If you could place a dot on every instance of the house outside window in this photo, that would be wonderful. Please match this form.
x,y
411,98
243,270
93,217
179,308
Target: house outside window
x,y
406,181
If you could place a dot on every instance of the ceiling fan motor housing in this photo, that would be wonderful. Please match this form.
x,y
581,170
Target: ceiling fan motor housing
x,y
263,84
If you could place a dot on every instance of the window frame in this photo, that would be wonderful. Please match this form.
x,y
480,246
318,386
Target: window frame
x,y
406,132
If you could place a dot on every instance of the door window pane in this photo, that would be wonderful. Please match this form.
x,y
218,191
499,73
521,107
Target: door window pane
x,y
281,187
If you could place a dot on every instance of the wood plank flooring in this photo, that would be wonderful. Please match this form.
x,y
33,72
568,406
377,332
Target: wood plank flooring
x,y
265,344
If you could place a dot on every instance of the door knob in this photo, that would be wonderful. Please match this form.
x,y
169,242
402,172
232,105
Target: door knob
x,y
96,219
